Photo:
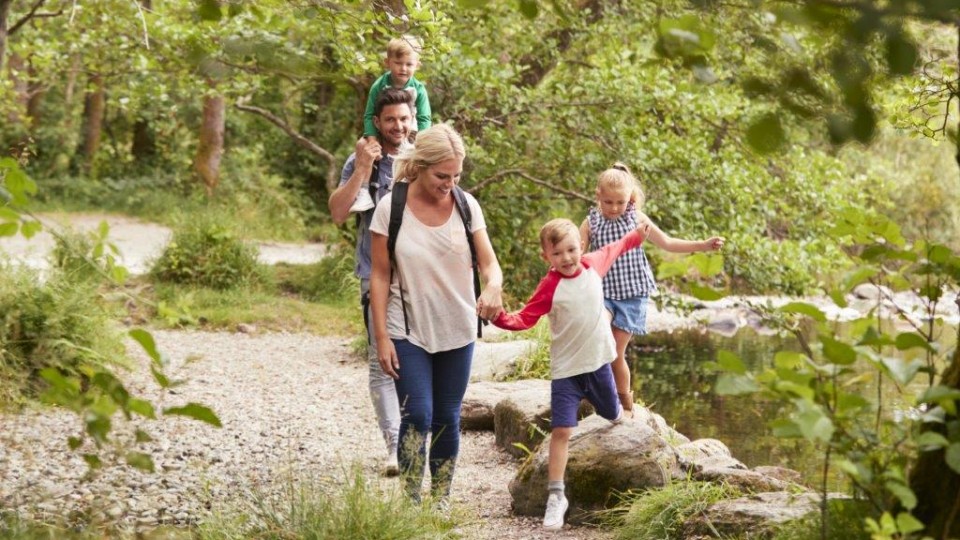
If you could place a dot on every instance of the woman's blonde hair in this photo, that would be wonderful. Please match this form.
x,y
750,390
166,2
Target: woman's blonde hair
x,y
556,230
437,143
618,177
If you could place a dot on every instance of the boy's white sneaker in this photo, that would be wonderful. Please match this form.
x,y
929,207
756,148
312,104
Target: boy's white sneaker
x,y
556,508
363,202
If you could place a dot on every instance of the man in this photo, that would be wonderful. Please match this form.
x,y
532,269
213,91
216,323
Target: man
x,y
393,118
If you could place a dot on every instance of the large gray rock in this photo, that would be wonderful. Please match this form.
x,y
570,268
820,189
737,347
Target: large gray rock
x,y
710,460
493,360
754,516
656,422
707,454
482,397
603,459
522,420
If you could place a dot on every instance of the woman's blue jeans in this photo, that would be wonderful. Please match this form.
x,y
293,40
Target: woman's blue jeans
x,y
430,390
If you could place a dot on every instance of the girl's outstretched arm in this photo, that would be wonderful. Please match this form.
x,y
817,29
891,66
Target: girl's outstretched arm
x,y
676,245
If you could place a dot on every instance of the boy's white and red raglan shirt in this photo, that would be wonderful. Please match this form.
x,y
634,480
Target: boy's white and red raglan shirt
x,y
582,339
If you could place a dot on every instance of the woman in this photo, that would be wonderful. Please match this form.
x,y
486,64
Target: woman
x,y
425,333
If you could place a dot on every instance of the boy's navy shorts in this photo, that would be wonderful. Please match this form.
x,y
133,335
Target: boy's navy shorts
x,y
597,387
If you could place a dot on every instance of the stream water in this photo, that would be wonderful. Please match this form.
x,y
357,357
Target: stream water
x,y
669,377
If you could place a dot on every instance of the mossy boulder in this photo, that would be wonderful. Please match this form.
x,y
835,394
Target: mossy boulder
x,y
604,459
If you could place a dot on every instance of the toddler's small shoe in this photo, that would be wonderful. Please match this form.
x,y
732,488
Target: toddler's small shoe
x,y
363,202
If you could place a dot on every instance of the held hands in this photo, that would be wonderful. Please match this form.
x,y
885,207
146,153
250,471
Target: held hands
x,y
490,303
387,354
714,243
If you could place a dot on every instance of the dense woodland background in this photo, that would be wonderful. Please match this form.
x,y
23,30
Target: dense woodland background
x,y
734,129
818,136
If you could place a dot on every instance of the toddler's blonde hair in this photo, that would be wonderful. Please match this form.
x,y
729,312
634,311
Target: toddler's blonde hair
x,y
556,230
403,46
618,177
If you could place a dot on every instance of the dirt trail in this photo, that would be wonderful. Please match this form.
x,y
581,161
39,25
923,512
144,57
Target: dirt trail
x,y
139,242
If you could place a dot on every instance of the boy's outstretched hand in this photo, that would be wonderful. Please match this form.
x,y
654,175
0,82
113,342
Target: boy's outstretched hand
x,y
715,243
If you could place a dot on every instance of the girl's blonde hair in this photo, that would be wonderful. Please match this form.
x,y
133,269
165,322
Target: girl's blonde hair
x,y
437,143
556,230
618,177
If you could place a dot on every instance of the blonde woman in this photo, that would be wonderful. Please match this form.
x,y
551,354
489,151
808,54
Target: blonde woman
x,y
424,304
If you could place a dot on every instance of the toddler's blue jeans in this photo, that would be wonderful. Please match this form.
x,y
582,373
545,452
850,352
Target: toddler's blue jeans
x,y
430,390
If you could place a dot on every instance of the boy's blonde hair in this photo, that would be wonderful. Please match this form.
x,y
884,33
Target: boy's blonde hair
x,y
437,143
619,177
403,46
556,230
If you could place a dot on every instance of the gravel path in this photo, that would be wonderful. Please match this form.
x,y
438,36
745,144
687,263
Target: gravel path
x,y
290,404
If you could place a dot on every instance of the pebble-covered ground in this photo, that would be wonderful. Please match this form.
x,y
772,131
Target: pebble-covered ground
x,y
292,405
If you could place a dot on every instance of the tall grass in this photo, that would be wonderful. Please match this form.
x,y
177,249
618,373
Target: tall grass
x,y
58,323
659,514
536,363
356,508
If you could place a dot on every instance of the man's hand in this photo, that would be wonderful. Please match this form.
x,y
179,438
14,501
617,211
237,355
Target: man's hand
x,y
368,151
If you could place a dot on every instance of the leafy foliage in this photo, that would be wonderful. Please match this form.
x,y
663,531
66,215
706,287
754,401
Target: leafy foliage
x,y
825,385
207,254
57,323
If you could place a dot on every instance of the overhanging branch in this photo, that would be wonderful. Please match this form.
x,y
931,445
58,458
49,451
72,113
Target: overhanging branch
x,y
297,137
507,173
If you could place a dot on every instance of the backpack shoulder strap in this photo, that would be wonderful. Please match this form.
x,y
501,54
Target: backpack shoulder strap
x,y
397,203
463,208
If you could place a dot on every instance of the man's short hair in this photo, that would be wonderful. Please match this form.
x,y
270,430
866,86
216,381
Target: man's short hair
x,y
392,96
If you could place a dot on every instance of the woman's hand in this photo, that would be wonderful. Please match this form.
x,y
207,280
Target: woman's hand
x,y
490,303
387,354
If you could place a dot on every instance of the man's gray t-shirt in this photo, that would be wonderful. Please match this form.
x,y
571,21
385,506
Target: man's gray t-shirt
x,y
385,172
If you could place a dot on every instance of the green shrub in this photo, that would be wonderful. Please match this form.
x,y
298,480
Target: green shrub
x,y
355,508
332,279
659,514
57,323
207,254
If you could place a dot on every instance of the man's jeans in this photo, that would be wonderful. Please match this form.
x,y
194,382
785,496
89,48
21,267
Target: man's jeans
x,y
431,389
383,393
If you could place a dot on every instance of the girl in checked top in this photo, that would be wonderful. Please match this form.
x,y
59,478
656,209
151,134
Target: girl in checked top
x,y
629,283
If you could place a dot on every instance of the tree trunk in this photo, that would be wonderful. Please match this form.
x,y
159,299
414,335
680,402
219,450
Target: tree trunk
x,y
210,147
4,22
94,105
16,69
144,146
936,485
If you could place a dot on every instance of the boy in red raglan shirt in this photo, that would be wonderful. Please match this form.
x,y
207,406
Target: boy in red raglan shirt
x,y
571,296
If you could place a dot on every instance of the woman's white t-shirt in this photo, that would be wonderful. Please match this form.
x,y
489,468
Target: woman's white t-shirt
x,y
433,264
